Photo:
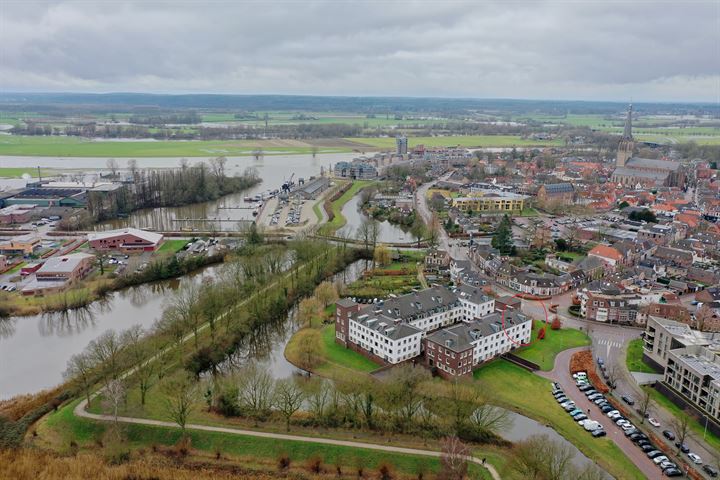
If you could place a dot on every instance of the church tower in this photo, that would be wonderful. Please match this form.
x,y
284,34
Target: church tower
x,y
626,145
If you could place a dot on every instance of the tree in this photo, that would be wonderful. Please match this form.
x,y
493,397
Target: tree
x,y
453,460
255,389
556,324
133,166
681,424
433,229
112,165
105,351
540,458
114,395
643,215
186,304
308,310
382,255
418,229
139,349
79,369
310,351
180,402
326,293
644,405
288,397
502,238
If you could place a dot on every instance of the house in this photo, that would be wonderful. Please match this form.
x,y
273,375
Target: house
x,y
556,194
437,259
21,245
59,272
126,240
607,254
657,234
539,284
16,214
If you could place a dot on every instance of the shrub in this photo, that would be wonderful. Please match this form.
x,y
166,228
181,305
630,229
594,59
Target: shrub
x,y
541,334
314,464
385,470
556,324
283,462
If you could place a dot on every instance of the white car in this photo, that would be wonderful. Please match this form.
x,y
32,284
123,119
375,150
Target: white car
x,y
592,425
612,413
653,422
659,459
695,458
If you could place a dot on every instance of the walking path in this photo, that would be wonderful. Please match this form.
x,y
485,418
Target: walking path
x,y
561,374
81,412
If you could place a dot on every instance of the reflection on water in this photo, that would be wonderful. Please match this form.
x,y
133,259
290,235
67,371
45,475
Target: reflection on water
x,y
355,217
38,347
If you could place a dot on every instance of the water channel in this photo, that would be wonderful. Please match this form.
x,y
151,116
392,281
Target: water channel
x,y
354,216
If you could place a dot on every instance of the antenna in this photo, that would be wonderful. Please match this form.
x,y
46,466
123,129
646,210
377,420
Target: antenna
x,y
39,174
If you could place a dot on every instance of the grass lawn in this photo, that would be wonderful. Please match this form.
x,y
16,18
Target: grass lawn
x,y
461,140
529,212
634,360
63,427
571,255
17,267
342,356
697,428
517,389
172,246
339,220
543,352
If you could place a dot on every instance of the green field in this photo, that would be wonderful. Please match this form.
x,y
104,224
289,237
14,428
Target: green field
x,y
517,389
634,360
77,147
172,246
85,431
12,172
463,141
543,352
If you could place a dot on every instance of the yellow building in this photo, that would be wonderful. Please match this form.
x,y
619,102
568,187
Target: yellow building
x,y
490,201
22,244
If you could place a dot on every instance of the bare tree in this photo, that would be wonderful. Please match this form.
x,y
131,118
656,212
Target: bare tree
x,y
288,397
186,304
180,402
644,406
681,425
112,165
140,350
114,395
453,460
309,309
105,351
79,369
703,315
217,165
133,167
255,388
540,458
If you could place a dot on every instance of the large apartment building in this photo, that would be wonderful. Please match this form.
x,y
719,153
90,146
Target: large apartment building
x,y
393,331
490,201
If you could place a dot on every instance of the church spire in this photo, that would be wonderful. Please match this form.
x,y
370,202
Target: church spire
x,y
627,133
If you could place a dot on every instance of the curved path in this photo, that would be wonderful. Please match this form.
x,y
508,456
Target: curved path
x,y
81,412
561,374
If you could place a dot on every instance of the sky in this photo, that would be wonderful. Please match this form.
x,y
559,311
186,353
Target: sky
x,y
586,50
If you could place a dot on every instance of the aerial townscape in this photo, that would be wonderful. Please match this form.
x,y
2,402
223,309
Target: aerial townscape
x,y
413,240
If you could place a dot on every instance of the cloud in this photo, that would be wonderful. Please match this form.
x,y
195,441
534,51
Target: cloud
x,y
665,51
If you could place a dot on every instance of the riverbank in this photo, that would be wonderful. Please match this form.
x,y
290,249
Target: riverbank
x,y
337,219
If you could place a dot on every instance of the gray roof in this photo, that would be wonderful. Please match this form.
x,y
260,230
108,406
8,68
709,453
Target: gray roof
x,y
64,263
473,294
630,172
459,338
667,165
559,188
390,328
419,303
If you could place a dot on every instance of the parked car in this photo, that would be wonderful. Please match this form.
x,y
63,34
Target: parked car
x,y
580,417
606,408
584,387
561,399
653,422
598,433
590,392
695,458
672,472
668,434
654,453
710,471
569,407
667,464
660,459
683,448
612,413
591,425
647,448
627,399
575,411
600,401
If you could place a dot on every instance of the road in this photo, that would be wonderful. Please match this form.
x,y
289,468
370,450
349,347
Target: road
x,y
80,411
561,374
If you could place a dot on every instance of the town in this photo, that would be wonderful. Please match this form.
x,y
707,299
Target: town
x,y
357,240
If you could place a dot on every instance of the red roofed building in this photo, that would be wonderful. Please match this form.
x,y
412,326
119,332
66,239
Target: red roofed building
x,y
607,254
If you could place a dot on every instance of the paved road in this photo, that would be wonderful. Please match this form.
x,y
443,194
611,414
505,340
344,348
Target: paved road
x,y
561,374
81,412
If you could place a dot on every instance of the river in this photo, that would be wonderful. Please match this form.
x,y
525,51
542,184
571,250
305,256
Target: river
x,y
388,232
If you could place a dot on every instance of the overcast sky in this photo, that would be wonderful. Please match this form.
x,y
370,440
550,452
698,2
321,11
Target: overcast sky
x,y
604,50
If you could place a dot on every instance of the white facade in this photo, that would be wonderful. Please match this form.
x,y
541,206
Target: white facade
x,y
473,310
376,339
487,347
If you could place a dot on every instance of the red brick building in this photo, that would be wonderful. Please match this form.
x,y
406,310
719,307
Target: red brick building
x,y
127,240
